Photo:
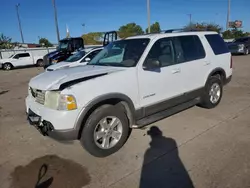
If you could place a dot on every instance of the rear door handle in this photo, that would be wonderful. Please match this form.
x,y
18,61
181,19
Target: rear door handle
x,y
174,71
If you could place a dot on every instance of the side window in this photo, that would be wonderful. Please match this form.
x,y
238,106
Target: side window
x,y
191,48
162,51
93,54
24,55
16,56
217,44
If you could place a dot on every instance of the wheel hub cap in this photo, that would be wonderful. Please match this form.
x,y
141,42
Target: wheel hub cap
x,y
108,132
215,93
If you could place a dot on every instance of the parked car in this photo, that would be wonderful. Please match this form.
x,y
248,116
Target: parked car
x,y
80,58
68,46
240,46
131,83
20,60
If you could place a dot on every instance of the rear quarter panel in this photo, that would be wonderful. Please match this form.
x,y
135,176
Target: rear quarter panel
x,y
221,61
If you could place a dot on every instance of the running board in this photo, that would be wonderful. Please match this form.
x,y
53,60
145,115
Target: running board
x,y
164,114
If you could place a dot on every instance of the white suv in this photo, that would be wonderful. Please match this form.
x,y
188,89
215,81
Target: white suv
x,y
129,84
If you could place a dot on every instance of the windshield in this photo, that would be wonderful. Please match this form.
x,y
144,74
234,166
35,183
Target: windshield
x,y
63,45
123,53
241,40
75,57
11,56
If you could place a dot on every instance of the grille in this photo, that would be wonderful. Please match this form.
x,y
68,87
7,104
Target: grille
x,y
233,47
39,95
46,60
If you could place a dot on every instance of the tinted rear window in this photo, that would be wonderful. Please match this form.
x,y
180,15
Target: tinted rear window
x,y
192,47
217,44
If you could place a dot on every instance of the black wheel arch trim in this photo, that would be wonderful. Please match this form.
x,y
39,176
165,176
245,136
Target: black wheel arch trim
x,y
100,99
8,63
218,70
39,60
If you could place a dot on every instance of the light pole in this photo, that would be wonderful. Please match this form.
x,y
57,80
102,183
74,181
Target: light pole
x,y
56,22
148,11
190,19
228,13
19,22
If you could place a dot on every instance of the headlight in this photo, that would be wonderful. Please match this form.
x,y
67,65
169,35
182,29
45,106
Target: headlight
x,y
58,101
241,46
54,61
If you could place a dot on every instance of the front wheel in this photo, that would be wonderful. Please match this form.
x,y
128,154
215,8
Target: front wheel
x,y
40,63
7,66
105,131
212,93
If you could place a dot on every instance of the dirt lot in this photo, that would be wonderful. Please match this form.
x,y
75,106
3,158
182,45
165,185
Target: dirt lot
x,y
196,148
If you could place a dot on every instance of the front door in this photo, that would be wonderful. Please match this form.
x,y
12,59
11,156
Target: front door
x,y
24,59
158,86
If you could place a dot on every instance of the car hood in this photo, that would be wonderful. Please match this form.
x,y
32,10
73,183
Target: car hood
x,y
63,64
5,60
52,80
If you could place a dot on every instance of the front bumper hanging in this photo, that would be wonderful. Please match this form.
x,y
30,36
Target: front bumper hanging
x,y
44,127
47,129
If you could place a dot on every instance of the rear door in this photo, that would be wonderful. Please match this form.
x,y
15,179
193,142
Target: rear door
x,y
192,61
24,59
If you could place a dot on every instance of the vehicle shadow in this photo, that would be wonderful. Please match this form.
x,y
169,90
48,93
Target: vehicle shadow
x,y
166,170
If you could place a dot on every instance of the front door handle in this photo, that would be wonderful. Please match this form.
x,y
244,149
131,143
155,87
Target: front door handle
x,y
174,71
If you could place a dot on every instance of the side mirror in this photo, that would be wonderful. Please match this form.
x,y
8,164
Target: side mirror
x,y
16,57
152,64
87,59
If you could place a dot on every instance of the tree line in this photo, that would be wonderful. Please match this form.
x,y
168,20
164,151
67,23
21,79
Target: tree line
x,y
131,29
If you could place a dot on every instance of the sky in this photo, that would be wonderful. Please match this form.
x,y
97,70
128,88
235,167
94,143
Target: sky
x,y
37,16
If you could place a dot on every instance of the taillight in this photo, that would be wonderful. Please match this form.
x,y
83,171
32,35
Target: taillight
x,y
231,63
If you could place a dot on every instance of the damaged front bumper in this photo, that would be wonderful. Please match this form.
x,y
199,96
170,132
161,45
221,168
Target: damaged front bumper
x,y
46,128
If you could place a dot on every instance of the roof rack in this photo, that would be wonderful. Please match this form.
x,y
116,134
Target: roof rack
x,y
185,30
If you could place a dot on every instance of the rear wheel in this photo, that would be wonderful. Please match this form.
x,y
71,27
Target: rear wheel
x,y
212,93
7,66
105,131
40,63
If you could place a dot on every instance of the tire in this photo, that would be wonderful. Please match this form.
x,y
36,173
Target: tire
x,y
40,63
206,99
92,127
246,52
7,66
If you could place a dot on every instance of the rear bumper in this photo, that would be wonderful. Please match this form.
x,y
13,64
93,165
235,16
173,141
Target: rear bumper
x,y
227,80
